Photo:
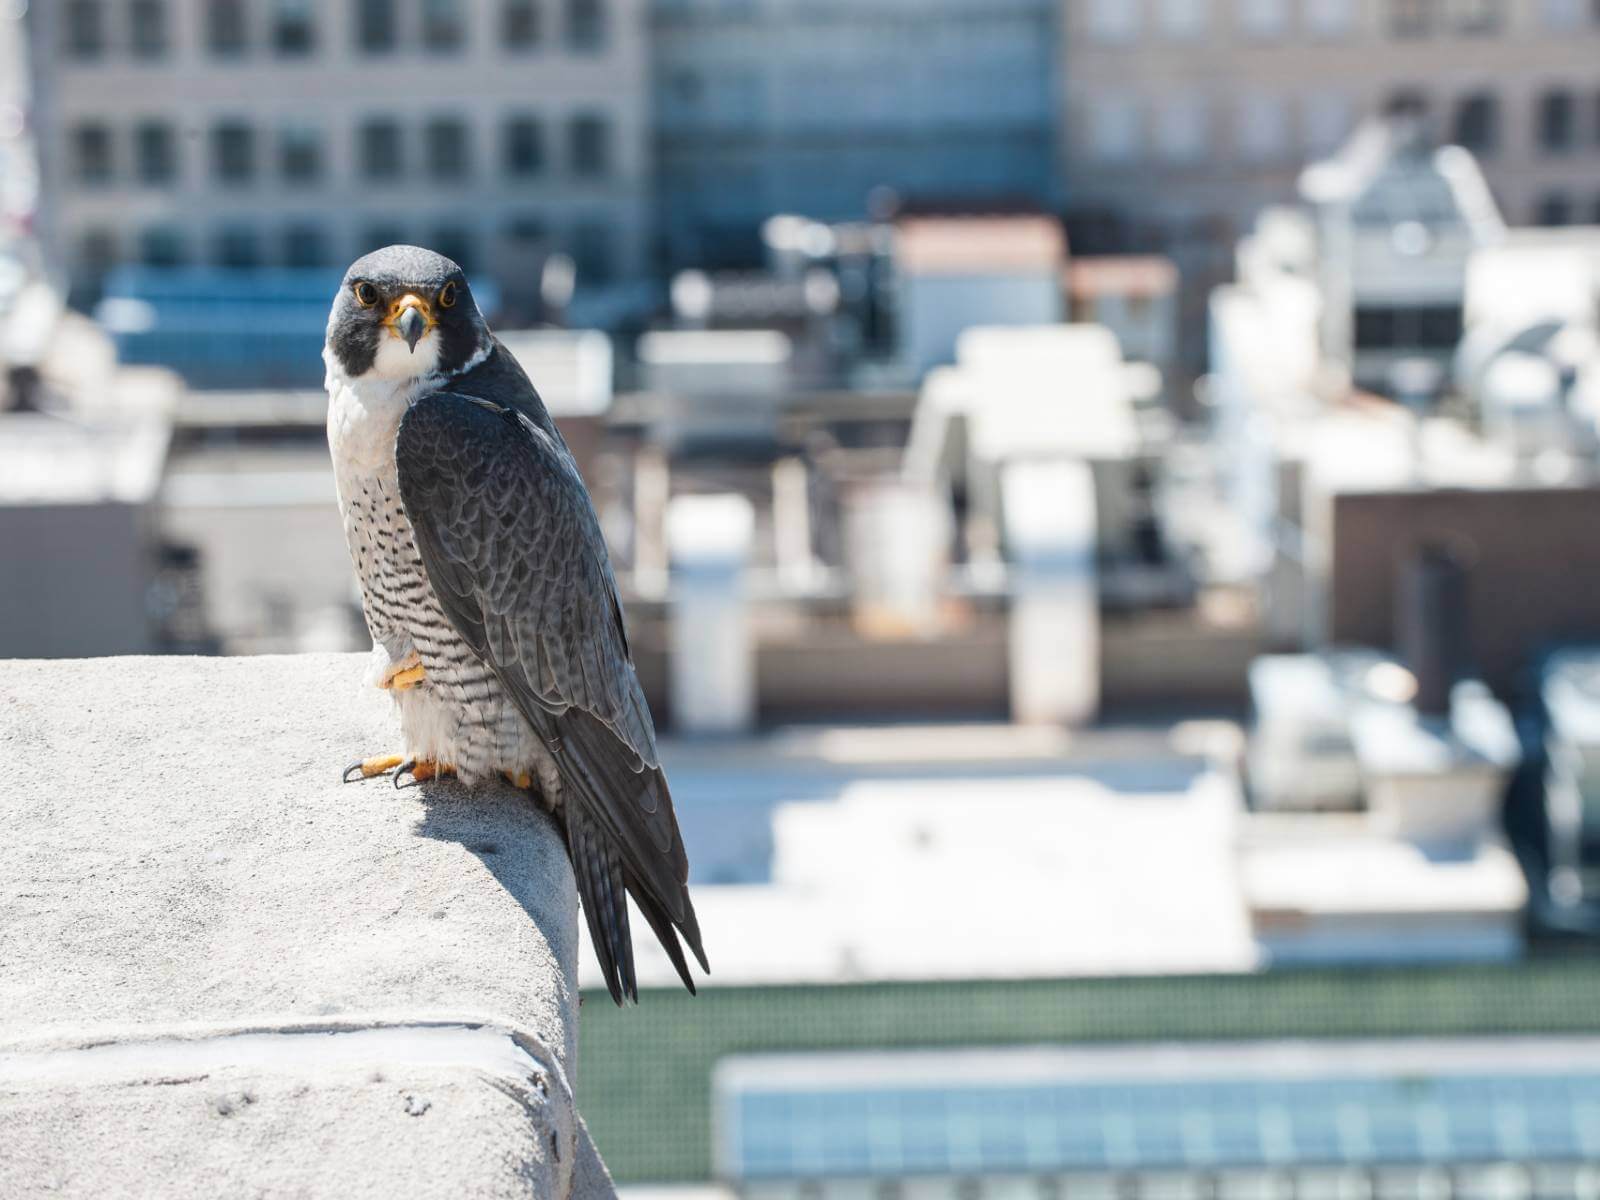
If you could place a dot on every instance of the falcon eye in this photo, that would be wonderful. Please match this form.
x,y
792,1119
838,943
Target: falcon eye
x,y
366,294
447,296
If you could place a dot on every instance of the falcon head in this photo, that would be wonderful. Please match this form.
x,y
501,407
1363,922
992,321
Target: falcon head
x,y
404,313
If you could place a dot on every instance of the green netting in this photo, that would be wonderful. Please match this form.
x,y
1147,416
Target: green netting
x,y
644,1074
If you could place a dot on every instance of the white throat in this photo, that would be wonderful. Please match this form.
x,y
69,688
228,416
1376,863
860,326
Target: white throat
x,y
364,410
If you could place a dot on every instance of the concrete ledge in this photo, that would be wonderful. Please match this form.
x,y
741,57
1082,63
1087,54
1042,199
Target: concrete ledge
x,y
223,971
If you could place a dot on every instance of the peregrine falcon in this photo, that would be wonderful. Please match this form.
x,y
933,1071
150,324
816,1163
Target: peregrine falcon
x,y
489,595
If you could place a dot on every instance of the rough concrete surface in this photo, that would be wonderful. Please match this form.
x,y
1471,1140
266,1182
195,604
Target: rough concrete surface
x,y
222,971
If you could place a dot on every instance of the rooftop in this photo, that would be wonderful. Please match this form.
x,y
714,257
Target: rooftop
x,y
51,460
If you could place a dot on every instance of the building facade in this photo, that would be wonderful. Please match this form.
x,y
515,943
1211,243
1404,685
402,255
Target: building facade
x,y
288,133
791,106
1181,119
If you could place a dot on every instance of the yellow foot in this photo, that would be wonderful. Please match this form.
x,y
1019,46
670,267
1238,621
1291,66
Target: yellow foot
x,y
406,673
518,779
419,771
376,765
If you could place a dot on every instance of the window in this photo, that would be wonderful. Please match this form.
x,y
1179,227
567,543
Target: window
x,y
1411,18
300,153
519,24
238,248
591,253
1384,327
161,246
449,151
155,152
233,152
523,146
1263,18
1184,19
455,242
1181,129
305,245
1477,16
91,153
225,27
443,26
147,20
1554,209
1263,127
1556,121
586,24
1113,22
294,30
590,146
686,88
526,230
1114,129
1477,124
381,151
1407,103
376,26
1329,18
84,29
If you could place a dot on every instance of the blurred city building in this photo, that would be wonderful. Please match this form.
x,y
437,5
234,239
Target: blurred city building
x,y
1183,119
1134,296
1398,219
953,273
1434,537
85,443
241,136
773,106
19,175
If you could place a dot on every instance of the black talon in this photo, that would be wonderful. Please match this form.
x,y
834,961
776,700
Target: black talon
x,y
404,769
356,767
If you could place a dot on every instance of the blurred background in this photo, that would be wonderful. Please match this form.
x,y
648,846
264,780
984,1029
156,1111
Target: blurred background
x,y
1105,494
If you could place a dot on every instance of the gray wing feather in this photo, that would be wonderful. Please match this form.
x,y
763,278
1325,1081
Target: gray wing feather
x,y
513,549
523,560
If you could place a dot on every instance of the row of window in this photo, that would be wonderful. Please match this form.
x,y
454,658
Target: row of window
x,y
1181,129
307,244
1560,208
295,28
1476,121
1123,21
240,154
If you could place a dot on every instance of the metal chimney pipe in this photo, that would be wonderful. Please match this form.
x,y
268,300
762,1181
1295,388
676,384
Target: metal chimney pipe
x,y
1431,624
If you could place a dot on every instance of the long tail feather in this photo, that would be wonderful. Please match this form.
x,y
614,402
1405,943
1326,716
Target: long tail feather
x,y
665,934
605,902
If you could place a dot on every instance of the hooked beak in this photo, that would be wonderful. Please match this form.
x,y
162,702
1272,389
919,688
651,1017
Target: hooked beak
x,y
410,319
411,326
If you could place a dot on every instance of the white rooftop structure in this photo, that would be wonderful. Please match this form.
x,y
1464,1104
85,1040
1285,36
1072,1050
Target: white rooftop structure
x,y
1398,218
985,878
919,852
572,368
744,363
54,461
1028,392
